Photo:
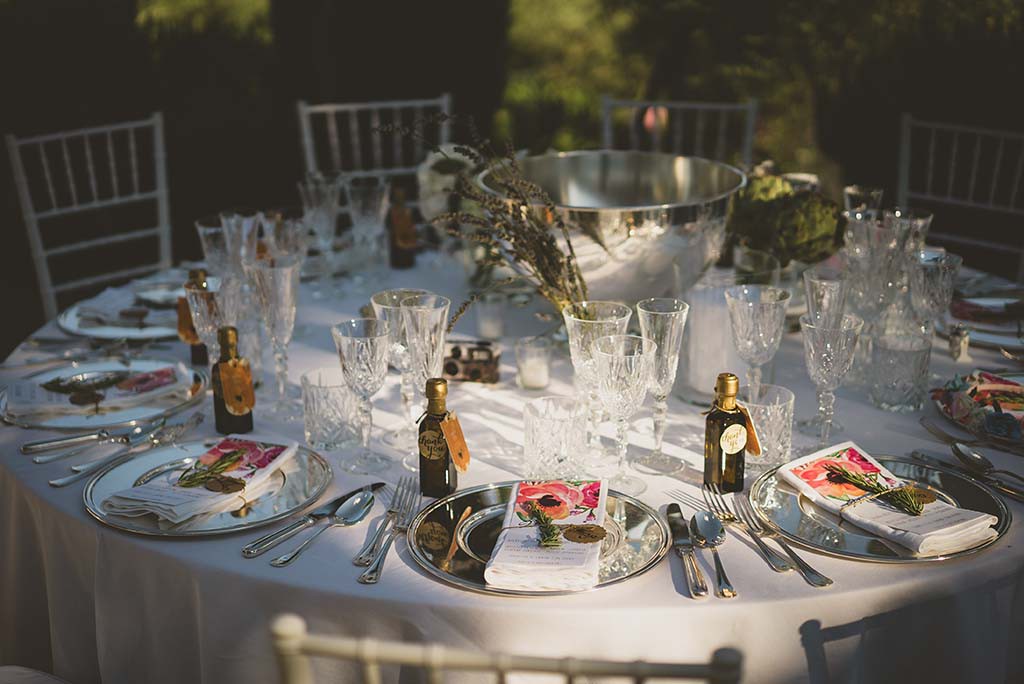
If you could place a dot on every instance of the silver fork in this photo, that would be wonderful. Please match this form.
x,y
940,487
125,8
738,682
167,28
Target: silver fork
x,y
373,544
718,505
409,507
812,576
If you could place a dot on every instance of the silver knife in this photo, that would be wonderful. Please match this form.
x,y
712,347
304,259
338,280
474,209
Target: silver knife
x,y
993,482
269,541
95,437
167,434
684,547
122,438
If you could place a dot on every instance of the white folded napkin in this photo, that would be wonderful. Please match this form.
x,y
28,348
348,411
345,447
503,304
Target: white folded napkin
x,y
30,397
259,457
940,529
112,301
518,562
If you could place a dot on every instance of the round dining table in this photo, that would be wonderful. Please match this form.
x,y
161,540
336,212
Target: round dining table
x,y
94,604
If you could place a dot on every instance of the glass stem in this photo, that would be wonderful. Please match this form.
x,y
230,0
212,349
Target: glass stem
x,y
660,421
281,372
621,443
826,409
754,382
406,392
594,409
365,423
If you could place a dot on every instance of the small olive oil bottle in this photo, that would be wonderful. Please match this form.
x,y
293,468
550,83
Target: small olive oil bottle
x,y
725,437
226,422
438,476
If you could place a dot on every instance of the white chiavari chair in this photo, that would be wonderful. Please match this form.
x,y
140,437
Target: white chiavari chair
x,y
346,137
964,166
723,131
12,674
295,646
88,170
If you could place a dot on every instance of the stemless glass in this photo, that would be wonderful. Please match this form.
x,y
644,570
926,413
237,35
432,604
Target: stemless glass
x,y
899,369
363,350
623,365
758,317
772,413
426,322
328,409
387,306
276,283
662,320
585,322
829,355
212,307
555,434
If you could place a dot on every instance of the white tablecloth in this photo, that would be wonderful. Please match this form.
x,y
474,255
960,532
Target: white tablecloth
x,y
93,604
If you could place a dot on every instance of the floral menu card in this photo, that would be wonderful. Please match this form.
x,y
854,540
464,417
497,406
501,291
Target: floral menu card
x,y
940,529
104,389
577,509
234,467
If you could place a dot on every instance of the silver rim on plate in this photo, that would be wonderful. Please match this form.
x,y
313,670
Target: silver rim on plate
x,y
127,417
465,570
299,490
67,321
793,516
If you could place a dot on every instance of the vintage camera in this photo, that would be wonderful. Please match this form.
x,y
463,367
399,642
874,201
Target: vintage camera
x,y
471,361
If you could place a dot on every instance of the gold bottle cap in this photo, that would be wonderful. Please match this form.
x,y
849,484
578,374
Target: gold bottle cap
x,y
227,338
727,385
197,275
437,388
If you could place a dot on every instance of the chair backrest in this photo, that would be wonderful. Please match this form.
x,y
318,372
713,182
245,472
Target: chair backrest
x,y
364,149
963,166
295,645
723,131
86,170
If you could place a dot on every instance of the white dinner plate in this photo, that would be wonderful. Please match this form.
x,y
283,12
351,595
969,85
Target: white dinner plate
x,y
69,322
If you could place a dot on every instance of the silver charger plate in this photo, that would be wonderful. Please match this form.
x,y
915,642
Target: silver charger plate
x,y
794,516
299,483
69,322
160,407
637,538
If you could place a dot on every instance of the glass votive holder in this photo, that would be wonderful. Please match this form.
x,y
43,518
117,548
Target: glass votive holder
x,y
555,438
772,414
328,410
899,370
490,315
533,361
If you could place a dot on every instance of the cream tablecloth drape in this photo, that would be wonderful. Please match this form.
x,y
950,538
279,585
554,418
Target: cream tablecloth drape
x,y
93,604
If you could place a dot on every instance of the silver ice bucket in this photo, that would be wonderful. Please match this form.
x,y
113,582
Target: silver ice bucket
x,y
661,217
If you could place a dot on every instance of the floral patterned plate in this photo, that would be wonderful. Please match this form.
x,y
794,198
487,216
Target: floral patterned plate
x,y
296,486
986,405
454,545
797,519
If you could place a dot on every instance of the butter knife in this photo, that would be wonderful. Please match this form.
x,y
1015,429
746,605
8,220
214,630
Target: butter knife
x,y
996,484
97,436
269,541
684,547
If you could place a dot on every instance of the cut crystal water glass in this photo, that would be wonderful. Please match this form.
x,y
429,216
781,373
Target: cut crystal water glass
x,y
328,410
662,320
758,316
364,348
555,434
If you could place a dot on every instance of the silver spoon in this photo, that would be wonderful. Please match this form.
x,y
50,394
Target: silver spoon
x,y
349,513
708,531
975,461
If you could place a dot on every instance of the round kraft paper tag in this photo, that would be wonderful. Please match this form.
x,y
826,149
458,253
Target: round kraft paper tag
x,y
733,439
432,445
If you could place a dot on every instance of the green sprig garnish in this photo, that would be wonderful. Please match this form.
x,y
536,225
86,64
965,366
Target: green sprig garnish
x,y
901,498
198,474
550,535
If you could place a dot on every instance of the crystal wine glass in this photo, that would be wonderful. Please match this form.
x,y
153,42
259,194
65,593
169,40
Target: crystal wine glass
x,y
623,366
241,229
276,283
829,354
425,318
758,317
387,306
662,320
825,289
585,322
862,199
319,195
214,240
932,276
367,206
212,306
363,348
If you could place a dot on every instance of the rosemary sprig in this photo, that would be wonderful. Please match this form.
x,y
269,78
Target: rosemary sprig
x,y
550,535
902,499
198,474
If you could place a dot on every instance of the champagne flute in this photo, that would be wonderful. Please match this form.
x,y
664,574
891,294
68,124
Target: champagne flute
x,y
276,282
425,318
363,349
387,306
213,304
662,320
623,366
